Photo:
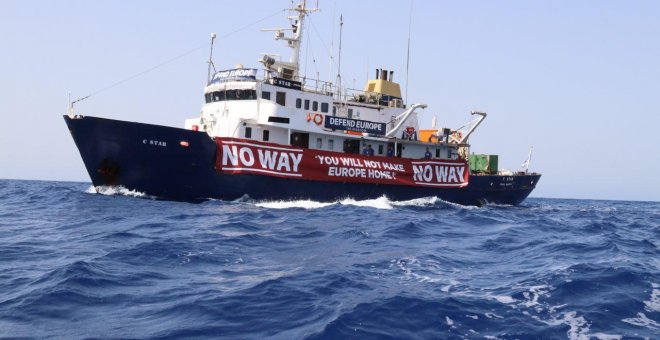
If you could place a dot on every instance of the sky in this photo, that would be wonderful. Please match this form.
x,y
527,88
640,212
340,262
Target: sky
x,y
577,80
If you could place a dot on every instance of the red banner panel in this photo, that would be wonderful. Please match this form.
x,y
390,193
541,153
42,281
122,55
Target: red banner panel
x,y
251,157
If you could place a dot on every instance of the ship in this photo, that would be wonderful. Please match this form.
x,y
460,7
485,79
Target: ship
x,y
271,133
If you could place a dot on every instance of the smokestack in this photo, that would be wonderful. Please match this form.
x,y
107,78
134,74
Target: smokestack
x,y
377,73
383,74
391,75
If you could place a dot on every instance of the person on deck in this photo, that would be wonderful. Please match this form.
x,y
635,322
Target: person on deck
x,y
365,151
368,151
427,154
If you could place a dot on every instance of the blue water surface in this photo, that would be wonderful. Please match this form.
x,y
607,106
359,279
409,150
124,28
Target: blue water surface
x,y
79,264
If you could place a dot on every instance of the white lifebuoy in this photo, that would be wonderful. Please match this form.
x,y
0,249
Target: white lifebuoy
x,y
318,119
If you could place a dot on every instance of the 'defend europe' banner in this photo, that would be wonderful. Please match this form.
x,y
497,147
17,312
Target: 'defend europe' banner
x,y
241,74
241,156
356,125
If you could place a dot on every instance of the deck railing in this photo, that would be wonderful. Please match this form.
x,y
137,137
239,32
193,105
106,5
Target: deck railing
x,y
327,88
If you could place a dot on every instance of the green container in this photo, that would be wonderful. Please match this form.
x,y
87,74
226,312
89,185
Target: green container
x,y
484,163
476,162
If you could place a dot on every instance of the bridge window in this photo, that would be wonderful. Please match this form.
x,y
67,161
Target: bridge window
x,y
331,144
248,132
282,120
266,135
280,98
315,106
306,104
265,95
319,143
437,153
324,107
380,149
219,96
298,103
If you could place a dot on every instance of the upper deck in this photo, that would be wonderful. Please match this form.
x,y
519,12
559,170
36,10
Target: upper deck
x,y
278,104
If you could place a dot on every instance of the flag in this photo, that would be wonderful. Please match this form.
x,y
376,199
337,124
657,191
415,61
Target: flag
x,y
525,164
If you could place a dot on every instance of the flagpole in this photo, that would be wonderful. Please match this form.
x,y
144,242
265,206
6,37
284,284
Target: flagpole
x,y
525,164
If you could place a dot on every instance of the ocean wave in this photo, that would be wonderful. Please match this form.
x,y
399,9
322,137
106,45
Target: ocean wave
x,y
643,321
653,304
80,264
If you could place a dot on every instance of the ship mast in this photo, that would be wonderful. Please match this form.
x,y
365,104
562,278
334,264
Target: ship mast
x,y
341,27
297,33
290,69
208,76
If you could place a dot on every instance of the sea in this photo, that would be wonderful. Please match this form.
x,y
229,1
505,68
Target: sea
x,y
77,263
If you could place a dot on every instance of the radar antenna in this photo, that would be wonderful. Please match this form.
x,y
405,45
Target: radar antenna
x,y
290,69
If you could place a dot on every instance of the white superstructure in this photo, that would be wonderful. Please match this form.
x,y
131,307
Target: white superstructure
x,y
275,104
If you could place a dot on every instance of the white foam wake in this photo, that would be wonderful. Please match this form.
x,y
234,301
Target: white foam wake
x,y
305,204
382,202
377,203
114,191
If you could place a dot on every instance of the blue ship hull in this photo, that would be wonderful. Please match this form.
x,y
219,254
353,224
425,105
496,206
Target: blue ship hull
x,y
178,164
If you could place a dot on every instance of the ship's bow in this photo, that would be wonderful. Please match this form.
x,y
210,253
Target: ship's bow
x,y
157,160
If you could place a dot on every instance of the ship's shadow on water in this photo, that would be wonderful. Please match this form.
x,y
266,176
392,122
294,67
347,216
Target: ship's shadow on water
x,y
78,264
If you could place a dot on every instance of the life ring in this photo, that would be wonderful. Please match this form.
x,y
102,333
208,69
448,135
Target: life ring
x,y
318,119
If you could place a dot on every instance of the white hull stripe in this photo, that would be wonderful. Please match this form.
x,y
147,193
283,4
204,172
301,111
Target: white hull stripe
x,y
261,170
435,162
450,185
261,146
